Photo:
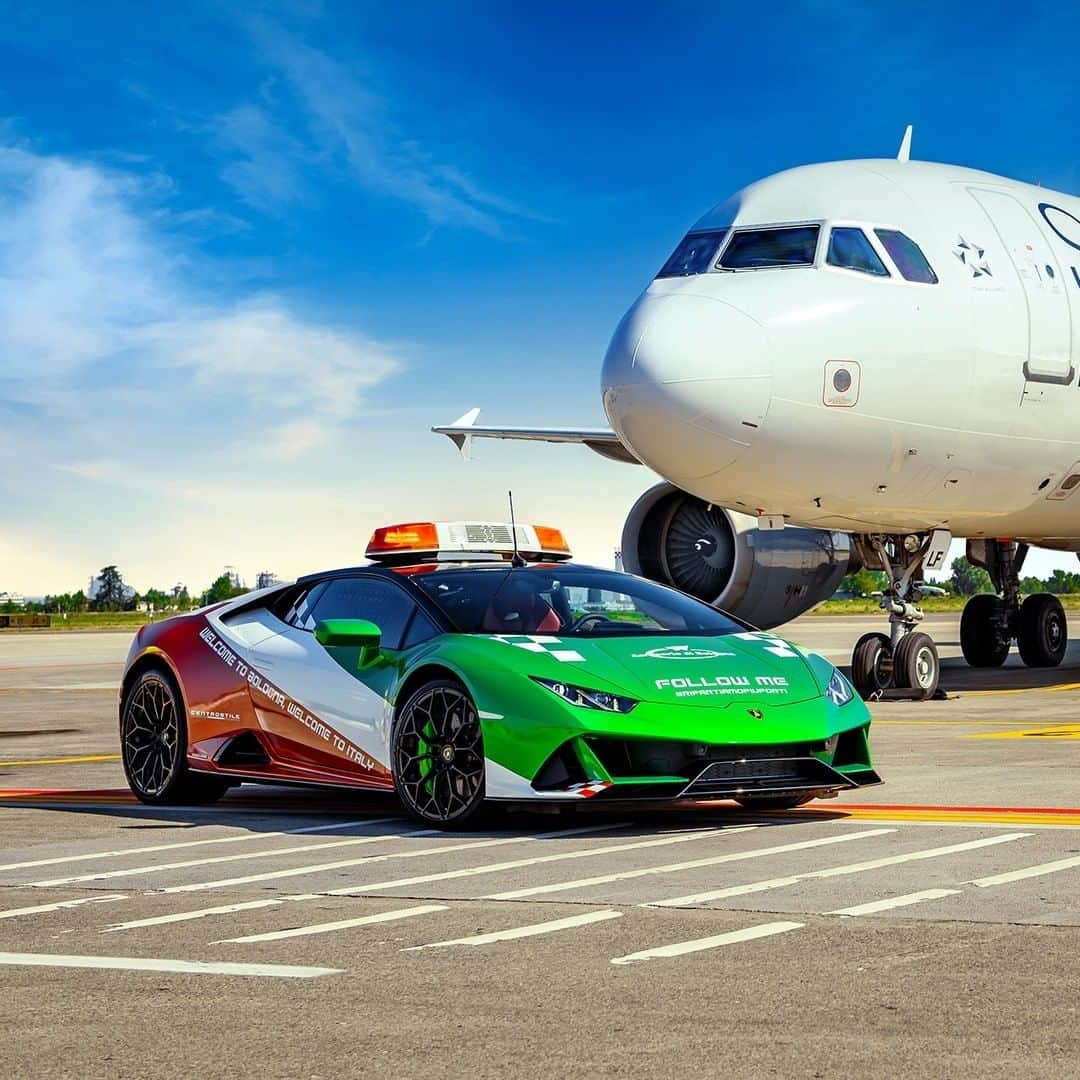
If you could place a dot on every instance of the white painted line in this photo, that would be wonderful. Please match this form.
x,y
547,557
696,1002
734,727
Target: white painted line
x,y
514,864
837,871
248,836
534,929
1027,872
272,875
243,856
874,906
181,967
184,916
670,868
681,948
330,927
38,909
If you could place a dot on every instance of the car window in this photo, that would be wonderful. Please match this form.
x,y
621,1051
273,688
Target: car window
x,y
299,611
694,255
568,600
908,256
759,249
421,629
381,602
849,248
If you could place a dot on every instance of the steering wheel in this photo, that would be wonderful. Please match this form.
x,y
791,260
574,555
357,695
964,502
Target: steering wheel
x,y
588,617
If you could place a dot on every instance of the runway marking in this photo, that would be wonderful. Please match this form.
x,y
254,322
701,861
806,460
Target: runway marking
x,y
84,759
246,837
836,871
891,902
182,967
39,909
734,937
669,868
553,926
1027,872
957,815
298,871
184,916
472,871
330,927
243,856
1068,731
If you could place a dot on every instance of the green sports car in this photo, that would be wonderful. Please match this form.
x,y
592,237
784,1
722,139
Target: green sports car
x,y
468,664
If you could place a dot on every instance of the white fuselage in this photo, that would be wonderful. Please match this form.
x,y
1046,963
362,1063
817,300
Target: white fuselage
x,y
959,406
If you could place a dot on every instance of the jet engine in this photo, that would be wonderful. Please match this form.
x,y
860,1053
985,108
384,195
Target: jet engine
x,y
763,577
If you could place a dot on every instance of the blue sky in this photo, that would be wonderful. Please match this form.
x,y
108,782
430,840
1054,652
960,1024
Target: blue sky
x,y
249,254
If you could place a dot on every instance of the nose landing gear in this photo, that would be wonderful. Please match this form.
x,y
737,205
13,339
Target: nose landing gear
x,y
991,623
905,663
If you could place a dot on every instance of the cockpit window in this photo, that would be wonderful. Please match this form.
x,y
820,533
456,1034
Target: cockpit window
x,y
850,249
762,248
907,255
694,255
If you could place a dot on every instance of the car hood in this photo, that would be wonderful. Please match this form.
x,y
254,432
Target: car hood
x,y
690,670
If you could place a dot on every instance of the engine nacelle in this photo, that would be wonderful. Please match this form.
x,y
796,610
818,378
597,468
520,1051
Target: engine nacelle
x,y
764,577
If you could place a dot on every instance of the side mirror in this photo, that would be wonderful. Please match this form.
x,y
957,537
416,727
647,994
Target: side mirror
x,y
348,633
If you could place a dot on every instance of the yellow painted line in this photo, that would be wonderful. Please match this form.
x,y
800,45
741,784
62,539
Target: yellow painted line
x,y
982,817
61,760
1068,731
953,721
1020,690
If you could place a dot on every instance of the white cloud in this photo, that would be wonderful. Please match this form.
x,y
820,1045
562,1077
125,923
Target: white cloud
x,y
121,372
349,120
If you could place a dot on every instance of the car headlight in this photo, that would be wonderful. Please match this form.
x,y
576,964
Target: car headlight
x,y
586,698
839,691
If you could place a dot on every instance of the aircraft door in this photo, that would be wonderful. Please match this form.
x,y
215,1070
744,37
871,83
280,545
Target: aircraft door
x,y
1049,321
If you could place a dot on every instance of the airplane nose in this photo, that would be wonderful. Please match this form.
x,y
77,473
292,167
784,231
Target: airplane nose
x,y
687,382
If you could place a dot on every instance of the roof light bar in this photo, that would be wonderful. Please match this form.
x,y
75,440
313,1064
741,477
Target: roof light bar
x,y
429,539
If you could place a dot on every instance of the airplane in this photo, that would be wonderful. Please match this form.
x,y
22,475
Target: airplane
x,y
848,364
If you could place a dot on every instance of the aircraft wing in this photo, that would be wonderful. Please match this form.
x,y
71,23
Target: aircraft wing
x,y
602,441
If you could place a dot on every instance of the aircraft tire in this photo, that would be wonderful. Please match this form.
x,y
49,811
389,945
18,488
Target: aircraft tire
x,y
871,664
1043,634
981,640
916,665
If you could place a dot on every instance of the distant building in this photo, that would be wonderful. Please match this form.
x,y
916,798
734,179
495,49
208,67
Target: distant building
x,y
13,598
618,560
234,577
265,579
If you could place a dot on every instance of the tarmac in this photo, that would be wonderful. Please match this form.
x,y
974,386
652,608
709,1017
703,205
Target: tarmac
x,y
927,927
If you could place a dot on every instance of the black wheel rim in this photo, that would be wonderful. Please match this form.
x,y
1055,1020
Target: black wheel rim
x,y
440,754
151,736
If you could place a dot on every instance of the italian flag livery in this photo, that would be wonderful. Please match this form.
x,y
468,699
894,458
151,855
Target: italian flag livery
x,y
457,681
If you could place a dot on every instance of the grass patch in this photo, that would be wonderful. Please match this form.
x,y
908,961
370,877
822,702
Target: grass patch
x,y
92,620
869,606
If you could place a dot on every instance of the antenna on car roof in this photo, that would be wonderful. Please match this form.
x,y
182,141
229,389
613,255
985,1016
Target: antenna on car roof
x,y
516,561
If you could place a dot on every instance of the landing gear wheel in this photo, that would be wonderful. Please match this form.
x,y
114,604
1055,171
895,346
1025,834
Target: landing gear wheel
x,y
773,802
438,755
916,665
153,746
872,664
982,638
1043,634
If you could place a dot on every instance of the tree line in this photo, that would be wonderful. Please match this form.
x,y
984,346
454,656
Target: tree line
x,y
113,594
966,579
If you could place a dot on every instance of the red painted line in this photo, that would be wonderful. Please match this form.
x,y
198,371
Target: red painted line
x,y
947,809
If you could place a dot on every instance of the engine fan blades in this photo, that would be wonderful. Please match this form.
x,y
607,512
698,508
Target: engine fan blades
x,y
699,550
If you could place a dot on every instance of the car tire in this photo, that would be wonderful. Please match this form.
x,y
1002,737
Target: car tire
x,y
1043,633
773,802
916,666
437,756
871,665
982,638
153,745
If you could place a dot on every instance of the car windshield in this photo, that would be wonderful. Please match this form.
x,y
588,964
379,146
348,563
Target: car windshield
x,y
568,601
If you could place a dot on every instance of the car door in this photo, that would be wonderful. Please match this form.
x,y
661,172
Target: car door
x,y
326,712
